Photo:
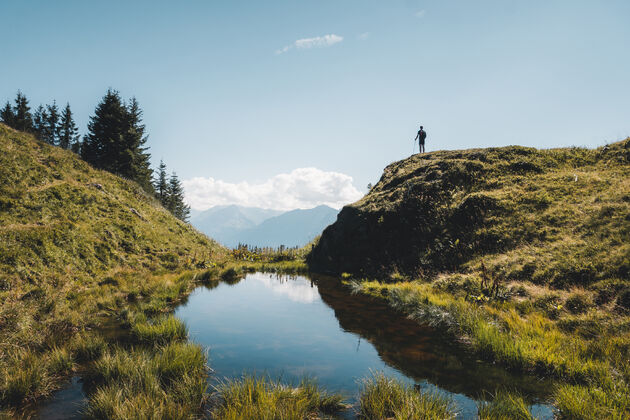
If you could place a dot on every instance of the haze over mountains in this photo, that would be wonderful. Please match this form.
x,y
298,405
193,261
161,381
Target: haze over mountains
x,y
232,224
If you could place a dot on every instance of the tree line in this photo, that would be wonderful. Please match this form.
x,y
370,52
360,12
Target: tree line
x,y
115,141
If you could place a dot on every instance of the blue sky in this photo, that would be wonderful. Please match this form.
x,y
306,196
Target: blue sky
x,y
224,107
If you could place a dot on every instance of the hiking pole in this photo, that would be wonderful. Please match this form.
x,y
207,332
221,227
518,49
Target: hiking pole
x,y
414,147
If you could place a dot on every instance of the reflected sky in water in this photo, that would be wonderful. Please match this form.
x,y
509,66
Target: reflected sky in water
x,y
289,327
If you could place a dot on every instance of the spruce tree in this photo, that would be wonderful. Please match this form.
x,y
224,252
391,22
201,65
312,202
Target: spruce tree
x,y
115,140
22,118
50,133
6,115
68,131
39,121
161,184
175,201
136,158
103,142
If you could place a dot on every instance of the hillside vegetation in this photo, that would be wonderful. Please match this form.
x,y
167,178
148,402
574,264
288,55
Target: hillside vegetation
x,y
76,245
524,253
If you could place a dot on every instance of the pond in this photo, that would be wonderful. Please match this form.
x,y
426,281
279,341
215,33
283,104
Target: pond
x,y
289,327
296,326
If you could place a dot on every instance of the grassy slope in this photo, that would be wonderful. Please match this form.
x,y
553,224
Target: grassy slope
x,y
77,244
549,228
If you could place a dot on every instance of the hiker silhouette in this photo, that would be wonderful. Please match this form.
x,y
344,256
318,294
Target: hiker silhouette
x,y
420,137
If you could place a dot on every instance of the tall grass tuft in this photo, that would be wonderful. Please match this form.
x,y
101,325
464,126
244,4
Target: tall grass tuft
x,y
26,377
504,406
580,402
88,347
387,398
60,361
160,331
253,398
165,382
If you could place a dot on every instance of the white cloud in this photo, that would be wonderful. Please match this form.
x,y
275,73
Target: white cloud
x,y
301,188
316,42
363,36
420,13
296,290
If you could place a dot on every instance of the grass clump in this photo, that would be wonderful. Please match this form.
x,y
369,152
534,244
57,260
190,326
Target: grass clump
x,y
161,331
88,347
578,303
165,382
60,361
581,402
25,377
387,398
504,406
254,398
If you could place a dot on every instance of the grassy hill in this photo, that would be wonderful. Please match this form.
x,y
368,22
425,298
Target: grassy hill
x,y
76,245
525,253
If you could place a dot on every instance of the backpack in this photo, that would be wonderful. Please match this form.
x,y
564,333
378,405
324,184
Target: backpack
x,y
422,135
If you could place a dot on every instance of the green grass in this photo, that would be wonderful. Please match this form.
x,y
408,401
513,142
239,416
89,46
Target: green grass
x,y
531,343
387,398
504,406
259,398
87,347
523,253
160,331
167,380
77,247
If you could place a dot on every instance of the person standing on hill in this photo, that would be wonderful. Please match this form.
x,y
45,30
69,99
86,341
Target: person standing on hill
x,y
420,137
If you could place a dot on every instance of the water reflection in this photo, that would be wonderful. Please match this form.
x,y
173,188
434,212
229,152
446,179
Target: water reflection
x,y
292,326
421,352
288,286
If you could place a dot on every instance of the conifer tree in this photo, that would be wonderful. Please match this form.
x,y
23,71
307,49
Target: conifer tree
x,y
105,130
39,121
6,115
22,118
68,131
50,132
137,163
175,201
161,184
115,140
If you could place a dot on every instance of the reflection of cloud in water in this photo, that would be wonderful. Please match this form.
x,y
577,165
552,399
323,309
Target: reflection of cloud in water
x,y
297,290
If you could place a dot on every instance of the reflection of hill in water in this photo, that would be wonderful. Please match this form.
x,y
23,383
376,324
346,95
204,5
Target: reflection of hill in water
x,y
421,352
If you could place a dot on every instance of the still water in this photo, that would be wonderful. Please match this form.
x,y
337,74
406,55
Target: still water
x,y
295,326
289,327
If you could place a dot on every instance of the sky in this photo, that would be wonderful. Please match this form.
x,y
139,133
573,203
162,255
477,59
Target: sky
x,y
291,104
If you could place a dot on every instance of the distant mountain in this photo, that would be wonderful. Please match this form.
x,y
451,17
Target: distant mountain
x,y
232,225
293,228
224,222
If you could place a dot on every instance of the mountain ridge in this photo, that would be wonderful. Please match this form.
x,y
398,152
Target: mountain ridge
x,y
237,225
